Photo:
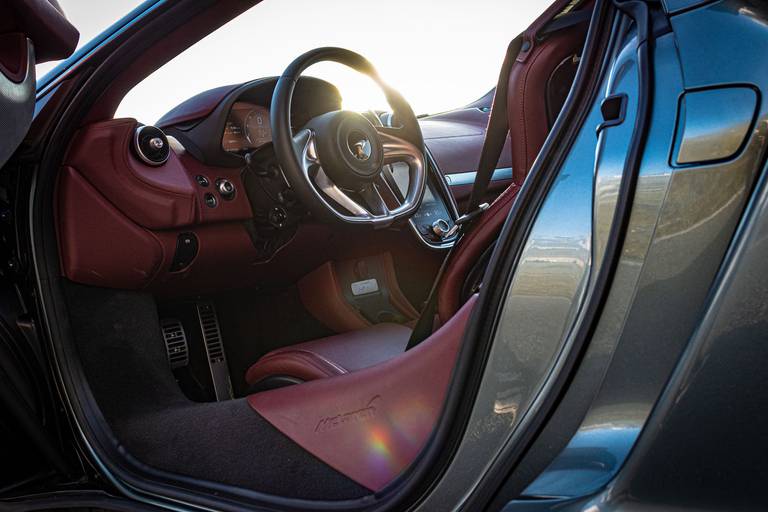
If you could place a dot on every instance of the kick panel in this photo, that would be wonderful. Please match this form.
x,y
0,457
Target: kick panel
x,y
353,294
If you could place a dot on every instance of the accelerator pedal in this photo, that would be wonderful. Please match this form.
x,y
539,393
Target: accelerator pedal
x,y
214,349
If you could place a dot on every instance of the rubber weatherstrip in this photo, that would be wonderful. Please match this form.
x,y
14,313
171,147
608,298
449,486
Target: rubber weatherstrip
x,y
638,11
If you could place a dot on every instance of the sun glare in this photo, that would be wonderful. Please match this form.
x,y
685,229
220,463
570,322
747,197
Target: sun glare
x,y
440,55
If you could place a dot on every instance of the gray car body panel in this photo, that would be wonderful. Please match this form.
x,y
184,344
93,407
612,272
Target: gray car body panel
x,y
683,218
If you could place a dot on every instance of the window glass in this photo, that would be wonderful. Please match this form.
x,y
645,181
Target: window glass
x,y
439,54
90,19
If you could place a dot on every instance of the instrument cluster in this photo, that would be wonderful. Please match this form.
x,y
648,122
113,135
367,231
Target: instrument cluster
x,y
247,128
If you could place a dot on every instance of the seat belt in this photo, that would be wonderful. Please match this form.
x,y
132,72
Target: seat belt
x,y
495,138
493,144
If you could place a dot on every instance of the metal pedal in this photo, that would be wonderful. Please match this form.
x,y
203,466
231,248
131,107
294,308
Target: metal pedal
x,y
214,349
175,339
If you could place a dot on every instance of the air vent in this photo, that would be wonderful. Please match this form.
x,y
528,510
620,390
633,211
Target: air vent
x,y
214,349
151,145
175,343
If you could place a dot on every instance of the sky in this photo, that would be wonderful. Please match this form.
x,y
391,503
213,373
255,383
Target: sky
x,y
439,54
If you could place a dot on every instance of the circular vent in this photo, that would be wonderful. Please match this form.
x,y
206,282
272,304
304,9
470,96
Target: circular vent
x,y
151,145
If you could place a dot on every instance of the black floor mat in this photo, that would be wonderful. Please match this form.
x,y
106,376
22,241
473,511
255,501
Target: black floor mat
x,y
117,334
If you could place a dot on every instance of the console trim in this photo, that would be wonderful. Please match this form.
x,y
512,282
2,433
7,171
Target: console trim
x,y
436,177
468,178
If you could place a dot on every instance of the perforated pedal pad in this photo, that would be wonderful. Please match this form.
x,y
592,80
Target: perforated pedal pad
x,y
214,349
175,338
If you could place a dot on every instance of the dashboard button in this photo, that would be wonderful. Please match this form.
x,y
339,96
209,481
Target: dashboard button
x,y
210,200
225,188
202,180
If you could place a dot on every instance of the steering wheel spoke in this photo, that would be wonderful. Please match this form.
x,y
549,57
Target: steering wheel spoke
x,y
306,151
372,197
399,150
333,191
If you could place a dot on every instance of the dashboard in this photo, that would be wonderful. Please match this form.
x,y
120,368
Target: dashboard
x,y
216,211
247,128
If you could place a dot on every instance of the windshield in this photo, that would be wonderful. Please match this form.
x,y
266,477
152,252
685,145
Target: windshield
x,y
439,54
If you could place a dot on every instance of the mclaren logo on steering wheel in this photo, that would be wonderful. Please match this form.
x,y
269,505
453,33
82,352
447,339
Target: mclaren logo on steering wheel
x,y
361,149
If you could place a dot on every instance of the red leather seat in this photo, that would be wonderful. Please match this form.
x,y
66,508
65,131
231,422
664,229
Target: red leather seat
x,y
334,355
529,117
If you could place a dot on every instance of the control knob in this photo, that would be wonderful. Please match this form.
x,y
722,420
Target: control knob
x,y
226,188
441,228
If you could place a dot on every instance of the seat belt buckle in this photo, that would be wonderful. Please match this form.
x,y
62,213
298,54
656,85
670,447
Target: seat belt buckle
x,y
469,216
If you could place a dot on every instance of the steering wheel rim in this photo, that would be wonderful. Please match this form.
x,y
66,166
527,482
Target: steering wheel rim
x,y
339,163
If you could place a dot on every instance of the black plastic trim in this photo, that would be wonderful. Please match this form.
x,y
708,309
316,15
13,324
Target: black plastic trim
x,y
594,303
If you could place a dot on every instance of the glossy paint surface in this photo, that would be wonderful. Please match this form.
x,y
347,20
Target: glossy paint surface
x,y
704,446
611,426
545,293
682,222
713,123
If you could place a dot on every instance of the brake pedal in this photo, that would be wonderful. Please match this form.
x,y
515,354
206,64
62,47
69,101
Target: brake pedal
x,y
176,347
214,349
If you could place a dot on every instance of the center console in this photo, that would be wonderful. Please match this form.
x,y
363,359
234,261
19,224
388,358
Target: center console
x,y
435,220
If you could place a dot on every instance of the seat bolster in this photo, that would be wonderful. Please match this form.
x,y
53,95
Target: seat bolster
x,y
334,355
469,249
300,364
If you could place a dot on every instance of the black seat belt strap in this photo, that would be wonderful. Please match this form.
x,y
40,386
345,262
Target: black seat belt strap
x,y
493,144
495,134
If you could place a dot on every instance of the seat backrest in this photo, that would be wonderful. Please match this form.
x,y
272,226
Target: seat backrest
x,y
539,81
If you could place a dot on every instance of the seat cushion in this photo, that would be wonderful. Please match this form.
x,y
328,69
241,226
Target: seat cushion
x,y
371,424
334,355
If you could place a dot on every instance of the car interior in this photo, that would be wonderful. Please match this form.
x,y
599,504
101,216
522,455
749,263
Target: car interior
x,y
244,280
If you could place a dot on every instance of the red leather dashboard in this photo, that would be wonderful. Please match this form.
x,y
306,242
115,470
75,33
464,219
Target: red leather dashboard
x,y
119,220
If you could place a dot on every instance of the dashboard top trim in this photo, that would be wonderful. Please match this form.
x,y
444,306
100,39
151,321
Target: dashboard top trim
x,y
468,178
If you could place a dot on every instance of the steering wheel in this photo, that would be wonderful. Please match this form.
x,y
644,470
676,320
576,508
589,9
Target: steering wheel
x,y
338,163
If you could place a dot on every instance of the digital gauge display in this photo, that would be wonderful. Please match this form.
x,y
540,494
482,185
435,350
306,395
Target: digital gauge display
x,y
247,128
233,137
257,129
